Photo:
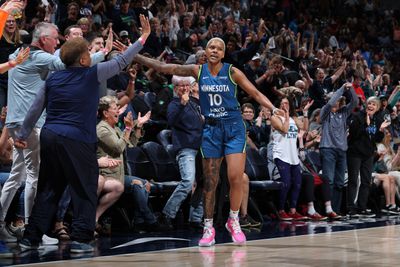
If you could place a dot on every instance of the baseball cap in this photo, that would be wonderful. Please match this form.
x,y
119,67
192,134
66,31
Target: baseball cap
x,y
256,56
123,33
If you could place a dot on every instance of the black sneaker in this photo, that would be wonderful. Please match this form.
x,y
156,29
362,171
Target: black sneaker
x,y
253,223
367,213
25,244
79,247
244,221
386,210
353,214
394,210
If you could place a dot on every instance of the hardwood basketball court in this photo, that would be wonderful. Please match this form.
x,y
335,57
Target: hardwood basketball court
x,y
376,246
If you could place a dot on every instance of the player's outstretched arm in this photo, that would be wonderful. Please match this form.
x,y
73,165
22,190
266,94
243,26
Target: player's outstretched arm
x,y
173,69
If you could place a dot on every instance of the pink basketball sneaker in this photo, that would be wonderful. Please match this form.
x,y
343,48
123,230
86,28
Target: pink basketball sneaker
x,y
208,238
233,226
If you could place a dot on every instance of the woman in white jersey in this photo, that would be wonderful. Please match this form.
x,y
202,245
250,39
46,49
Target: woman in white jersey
x,y
286,157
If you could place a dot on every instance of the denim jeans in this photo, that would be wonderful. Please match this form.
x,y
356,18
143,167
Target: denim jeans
x,y
142,212
186,159
334,167
196,213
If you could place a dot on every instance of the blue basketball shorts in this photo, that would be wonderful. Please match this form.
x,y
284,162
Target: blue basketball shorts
x,y
222,137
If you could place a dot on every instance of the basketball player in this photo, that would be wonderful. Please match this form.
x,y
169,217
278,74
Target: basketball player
x,y
224,133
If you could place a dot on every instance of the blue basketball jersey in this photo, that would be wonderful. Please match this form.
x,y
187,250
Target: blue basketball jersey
x,y
218,94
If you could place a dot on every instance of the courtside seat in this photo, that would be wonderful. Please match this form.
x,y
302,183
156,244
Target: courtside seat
x,y
163,187
139,163
165,137
263,151
259,182
165,167
257,170
265,185
143,167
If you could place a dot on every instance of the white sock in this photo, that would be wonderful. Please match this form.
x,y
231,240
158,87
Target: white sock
x,y
233,214
208,223
328,208
311,209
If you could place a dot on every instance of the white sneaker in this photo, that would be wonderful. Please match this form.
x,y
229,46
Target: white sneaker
x,y
5,234
49,241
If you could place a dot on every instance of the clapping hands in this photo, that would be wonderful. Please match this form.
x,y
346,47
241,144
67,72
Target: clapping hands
x,y
142,120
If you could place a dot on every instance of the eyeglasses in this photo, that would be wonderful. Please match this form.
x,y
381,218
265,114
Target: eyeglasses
x,y
52,37
182,85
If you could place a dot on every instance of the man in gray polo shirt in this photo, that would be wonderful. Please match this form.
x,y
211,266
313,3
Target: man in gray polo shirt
x,y
333,144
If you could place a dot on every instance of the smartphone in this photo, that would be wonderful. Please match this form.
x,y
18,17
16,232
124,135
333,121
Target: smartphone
x,y
387,117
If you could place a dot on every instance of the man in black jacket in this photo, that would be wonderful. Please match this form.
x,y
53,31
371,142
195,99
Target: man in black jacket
x,y
186,123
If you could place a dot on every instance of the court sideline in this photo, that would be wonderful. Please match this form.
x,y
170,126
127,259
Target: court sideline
x,y
378,246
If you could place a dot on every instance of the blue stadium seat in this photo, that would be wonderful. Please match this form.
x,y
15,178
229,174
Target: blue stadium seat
x,y
165,167
165,137
257,170
149,99
139,163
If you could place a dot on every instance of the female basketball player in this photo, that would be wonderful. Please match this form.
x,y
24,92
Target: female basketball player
x,y
224,133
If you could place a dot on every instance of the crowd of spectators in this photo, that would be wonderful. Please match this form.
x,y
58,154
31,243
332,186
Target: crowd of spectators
x,y
297,53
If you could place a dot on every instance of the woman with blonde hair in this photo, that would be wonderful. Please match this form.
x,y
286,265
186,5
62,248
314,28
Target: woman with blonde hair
x,y
86,25
365,131
112,142
9,42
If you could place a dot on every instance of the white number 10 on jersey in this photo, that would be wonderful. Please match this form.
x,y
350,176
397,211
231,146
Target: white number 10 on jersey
x,y
215,99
